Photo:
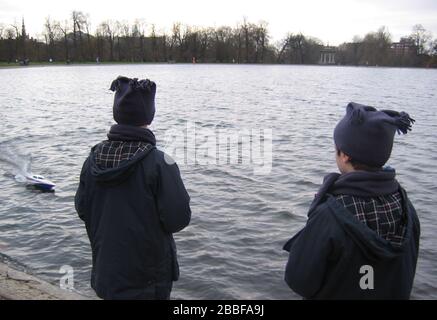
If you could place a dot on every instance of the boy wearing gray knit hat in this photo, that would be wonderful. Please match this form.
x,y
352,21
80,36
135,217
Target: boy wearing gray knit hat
x,y
361,240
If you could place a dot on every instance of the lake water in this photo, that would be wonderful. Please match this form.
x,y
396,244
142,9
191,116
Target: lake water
x,y
240,220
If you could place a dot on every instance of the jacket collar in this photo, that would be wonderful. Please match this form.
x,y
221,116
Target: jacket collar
x,y
358,183
121,132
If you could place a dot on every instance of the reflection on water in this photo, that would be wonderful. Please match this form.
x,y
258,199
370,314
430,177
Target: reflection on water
x,y
232,249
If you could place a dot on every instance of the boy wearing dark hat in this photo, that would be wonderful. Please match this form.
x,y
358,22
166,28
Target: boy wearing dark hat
x,y
132,201
361,239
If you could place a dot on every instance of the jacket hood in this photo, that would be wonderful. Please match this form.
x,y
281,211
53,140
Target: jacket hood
x,y
119,173
364,184
132,136
373,246
357,183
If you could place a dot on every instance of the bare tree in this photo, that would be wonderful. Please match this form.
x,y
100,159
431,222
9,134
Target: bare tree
x,y
64,28
261,40
49,35
204,39
239,38
283,45
297,45
175,40
299,49
99,43
109,30
245,28
78,19
383,38
86,22
123,30
154,43
16,37
420,36
138,31
10,36
433,47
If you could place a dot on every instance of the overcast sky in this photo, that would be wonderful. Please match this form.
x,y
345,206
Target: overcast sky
x,y
332,21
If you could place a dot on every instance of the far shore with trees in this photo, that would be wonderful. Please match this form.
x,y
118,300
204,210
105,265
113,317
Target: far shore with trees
x,y
73,41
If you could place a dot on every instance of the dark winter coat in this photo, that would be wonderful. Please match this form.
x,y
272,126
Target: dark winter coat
x,y
327,255
131,207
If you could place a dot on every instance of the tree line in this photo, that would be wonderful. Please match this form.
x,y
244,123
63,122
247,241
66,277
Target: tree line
x,y
72,40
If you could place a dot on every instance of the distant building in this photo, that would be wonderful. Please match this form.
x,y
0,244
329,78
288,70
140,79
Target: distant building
x,y
327,55
405,46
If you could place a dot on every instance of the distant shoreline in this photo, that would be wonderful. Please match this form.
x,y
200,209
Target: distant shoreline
x,y
5,65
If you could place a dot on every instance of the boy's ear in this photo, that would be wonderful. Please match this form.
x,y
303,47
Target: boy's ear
x,y
344,157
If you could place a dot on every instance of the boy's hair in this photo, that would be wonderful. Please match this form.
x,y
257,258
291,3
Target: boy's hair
x,y
358,165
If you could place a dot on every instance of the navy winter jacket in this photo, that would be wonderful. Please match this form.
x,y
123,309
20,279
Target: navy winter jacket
x,y
130,213
327,256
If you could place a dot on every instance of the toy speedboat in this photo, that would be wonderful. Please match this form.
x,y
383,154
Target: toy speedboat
x,y
36,181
